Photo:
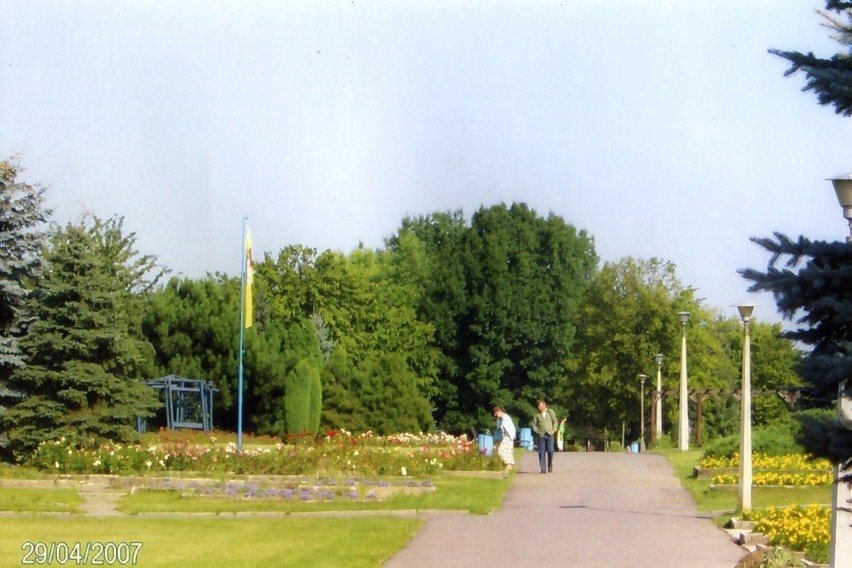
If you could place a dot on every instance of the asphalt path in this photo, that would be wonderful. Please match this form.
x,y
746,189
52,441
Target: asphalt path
x,y
596,510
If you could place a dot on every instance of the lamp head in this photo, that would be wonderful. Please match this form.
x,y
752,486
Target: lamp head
x,y
843,189
683,317
659,358
642,378
745,311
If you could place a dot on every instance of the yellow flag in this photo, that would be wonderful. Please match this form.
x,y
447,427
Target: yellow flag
x,y
247,306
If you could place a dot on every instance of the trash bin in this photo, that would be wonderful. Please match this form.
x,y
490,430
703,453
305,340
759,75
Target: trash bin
x,y
526,440
486,444
634,447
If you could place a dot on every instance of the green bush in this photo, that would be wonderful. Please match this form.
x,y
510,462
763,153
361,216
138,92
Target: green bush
x,y
781,438
664,442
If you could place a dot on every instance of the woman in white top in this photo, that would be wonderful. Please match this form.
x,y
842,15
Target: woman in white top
x,y
506,449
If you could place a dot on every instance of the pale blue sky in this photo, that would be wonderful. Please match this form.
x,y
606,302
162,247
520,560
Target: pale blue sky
x,y
664,128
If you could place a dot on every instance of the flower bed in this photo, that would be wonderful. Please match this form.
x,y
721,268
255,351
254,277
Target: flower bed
x,y
787,470
776,478
806,529
332,454
764,461
293,488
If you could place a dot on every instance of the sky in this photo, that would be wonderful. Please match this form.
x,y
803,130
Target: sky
x,y
662,128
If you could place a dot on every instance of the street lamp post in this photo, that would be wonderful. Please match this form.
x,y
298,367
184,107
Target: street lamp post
x,y
745,414
840,549
658,406
683,414
642,379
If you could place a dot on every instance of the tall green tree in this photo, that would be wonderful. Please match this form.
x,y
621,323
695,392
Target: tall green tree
x,y
429,252
501,293
23,218
819,294
84,353
774,359
627,317
342,404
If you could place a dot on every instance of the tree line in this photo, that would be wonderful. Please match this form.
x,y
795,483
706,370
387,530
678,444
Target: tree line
x,y
451,317
448,319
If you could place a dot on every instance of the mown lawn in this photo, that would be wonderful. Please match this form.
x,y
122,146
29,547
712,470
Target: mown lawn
x,y
235,542
52,500
725,500
222,538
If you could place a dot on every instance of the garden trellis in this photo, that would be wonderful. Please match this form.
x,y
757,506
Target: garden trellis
x,y
188,403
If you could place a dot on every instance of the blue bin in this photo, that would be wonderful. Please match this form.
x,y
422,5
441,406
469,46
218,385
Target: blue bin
x,y
486,444
526,440
634,448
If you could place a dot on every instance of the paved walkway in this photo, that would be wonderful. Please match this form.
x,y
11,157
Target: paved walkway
x,y
596,510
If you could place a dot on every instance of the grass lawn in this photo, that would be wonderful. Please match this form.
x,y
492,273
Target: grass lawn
x,y
234,541
710,500
220,541
38,500
476,495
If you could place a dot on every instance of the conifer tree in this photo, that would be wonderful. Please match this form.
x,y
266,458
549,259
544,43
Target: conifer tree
x,y
830,79
84,355
22,214
819,294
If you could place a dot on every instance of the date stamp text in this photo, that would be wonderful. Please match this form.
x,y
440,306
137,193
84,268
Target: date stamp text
x,y
94,553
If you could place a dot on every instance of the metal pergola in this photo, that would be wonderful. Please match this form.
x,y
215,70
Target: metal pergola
x,y
188,402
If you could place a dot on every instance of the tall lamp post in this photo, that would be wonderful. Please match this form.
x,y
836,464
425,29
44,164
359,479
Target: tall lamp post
x,y
745,414
683,414
642,379
658,406
840,551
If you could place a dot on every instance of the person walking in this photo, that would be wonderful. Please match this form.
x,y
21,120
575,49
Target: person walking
x,y
545,425
506,428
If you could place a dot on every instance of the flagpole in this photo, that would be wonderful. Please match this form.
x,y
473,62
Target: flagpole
x,y
242,332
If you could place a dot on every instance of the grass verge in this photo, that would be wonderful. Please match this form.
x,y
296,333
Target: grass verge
x,y
719,500
53,500
219,541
